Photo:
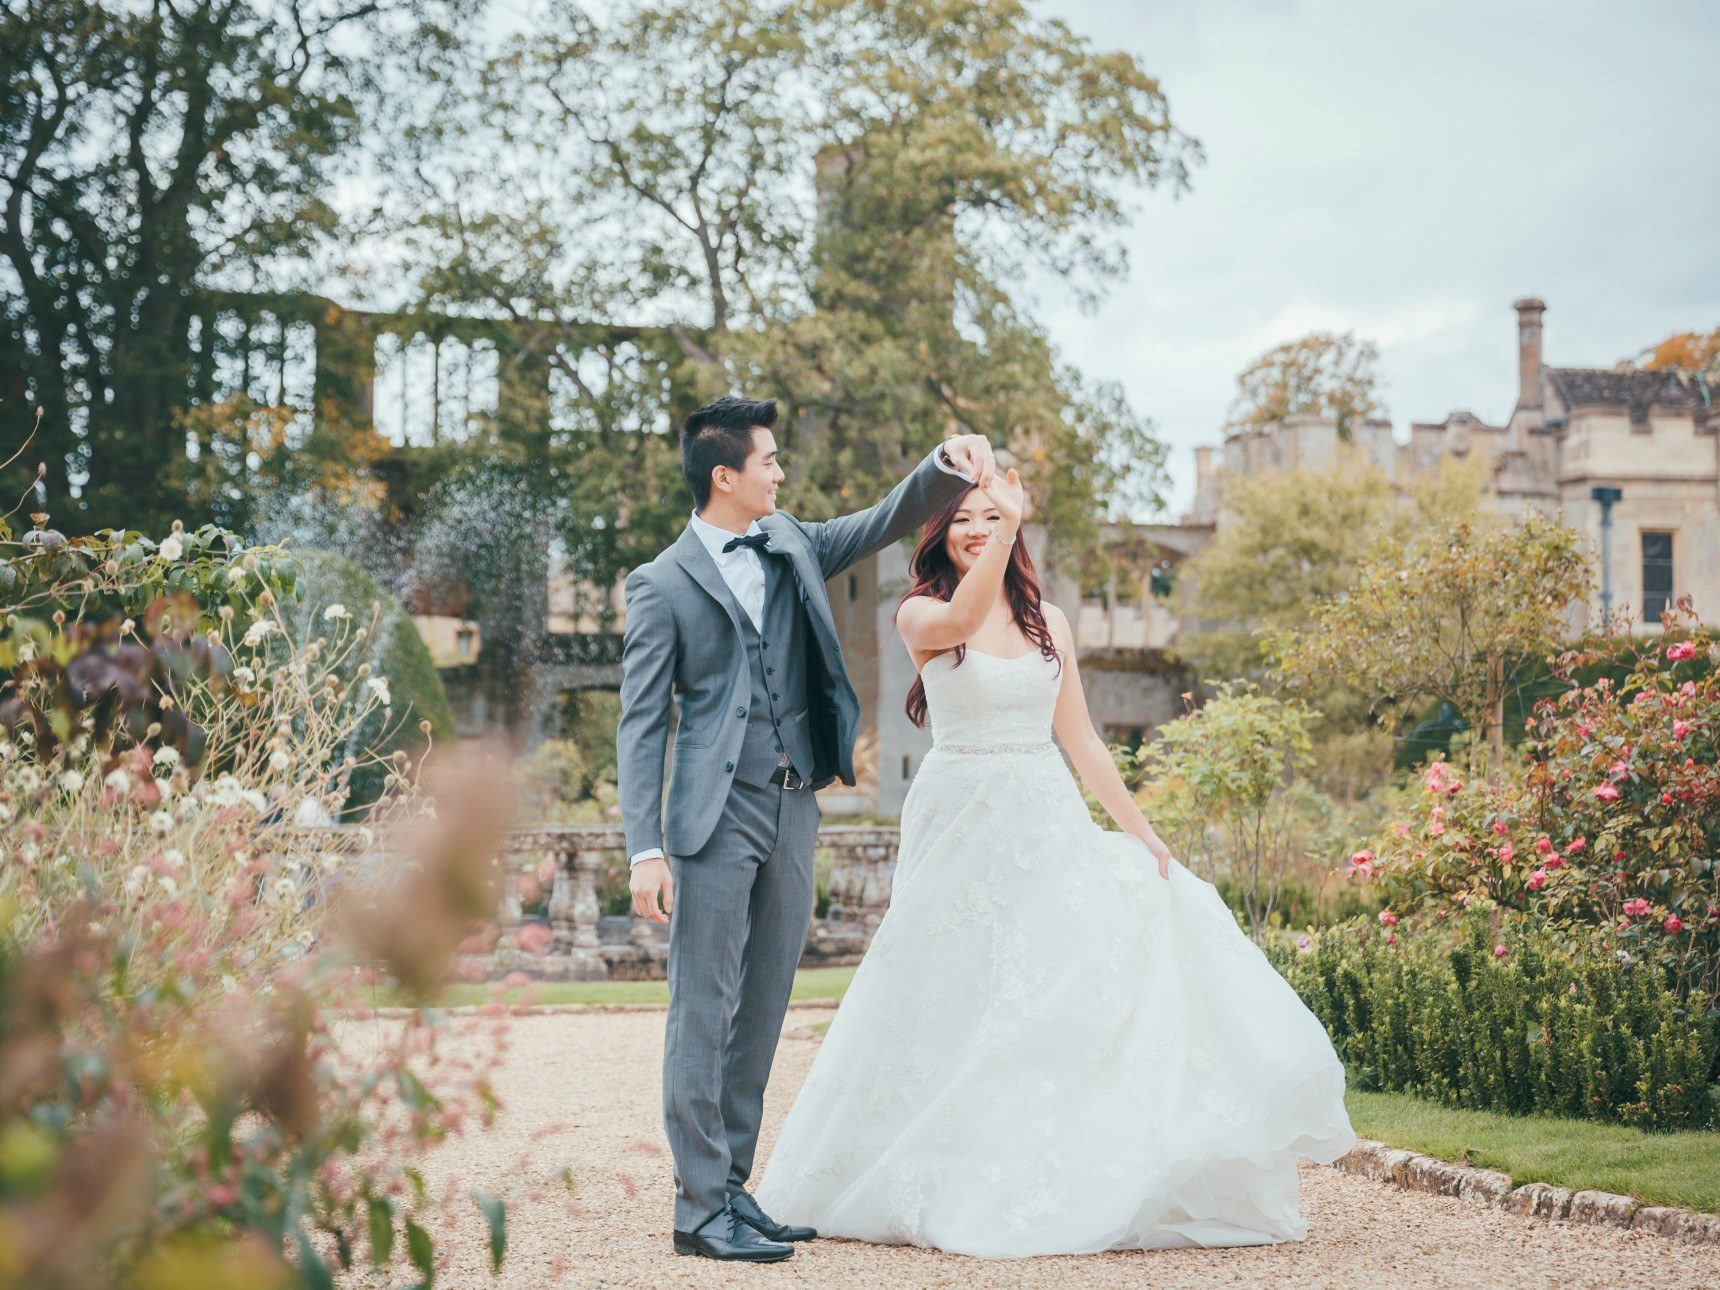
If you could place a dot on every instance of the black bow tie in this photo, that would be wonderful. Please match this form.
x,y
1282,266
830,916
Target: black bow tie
x,y
757,541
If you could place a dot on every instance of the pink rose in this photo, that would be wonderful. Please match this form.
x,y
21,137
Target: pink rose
x,y
533,938
1680,729
1436,828
1499,951
1637,908
1607,793
1573,987
1499,826
1681,651
1555,861
1537,880
1673,923
1543,844
1506,852
1388,919
1666,799
1575,845
1391,938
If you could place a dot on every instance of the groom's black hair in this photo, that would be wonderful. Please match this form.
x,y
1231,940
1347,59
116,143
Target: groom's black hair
x,y
720,434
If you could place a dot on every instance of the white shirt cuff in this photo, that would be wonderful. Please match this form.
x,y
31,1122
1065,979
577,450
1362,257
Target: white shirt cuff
x,y
650,853
941,457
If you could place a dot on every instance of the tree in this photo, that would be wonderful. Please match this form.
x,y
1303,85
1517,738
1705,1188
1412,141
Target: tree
x,y
150,155
1222,782
1451,617
1322,374
1691,351
829,200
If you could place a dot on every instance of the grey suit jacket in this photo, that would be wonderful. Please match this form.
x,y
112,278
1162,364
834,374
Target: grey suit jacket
x,y
683,640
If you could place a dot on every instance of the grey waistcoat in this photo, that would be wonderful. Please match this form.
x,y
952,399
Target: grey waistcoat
x,y
777,712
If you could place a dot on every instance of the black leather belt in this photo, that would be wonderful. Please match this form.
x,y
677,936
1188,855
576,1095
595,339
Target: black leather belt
x,y
789,777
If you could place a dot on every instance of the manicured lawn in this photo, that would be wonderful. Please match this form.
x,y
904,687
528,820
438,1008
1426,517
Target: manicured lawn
x,y
1659,1168
809,983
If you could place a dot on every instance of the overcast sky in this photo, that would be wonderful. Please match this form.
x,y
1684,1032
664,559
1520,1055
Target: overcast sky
x,y
1406,170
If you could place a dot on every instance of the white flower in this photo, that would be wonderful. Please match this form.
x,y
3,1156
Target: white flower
x,y
8,750
98,929
128,627
5,812
235,576
310,813
165,788
173,858
254,799
280,760
117,782
260,630
285,887
72,780
168,885
136,880
332,860
172,547
161,823
334,611
166,755
378,685
26,651
244,678
229,983
28,851
29,778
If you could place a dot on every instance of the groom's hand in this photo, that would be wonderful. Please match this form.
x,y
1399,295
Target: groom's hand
x,y
651,878
972,453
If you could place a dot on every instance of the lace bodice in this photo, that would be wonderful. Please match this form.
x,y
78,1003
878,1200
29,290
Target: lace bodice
x,y
988,699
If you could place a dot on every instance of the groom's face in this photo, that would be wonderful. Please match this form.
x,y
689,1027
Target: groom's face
x,y
752,489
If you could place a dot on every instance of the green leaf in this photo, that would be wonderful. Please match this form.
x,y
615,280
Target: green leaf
x,y
495,1213
313,1271
421,1252
381,1228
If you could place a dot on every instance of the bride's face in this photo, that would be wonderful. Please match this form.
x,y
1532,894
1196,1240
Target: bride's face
x,y
969,531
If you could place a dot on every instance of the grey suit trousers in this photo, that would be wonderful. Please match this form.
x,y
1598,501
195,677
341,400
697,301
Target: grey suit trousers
x,y
743,904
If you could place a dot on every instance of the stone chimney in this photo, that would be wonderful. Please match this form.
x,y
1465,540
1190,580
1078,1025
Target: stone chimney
x,y
1529,311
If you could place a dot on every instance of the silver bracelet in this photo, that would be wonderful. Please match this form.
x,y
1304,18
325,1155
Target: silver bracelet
x,y
1009,541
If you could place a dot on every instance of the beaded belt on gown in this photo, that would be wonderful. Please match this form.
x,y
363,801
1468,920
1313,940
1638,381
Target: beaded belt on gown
x,y
1036,745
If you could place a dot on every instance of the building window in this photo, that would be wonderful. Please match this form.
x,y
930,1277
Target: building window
x,y
904,765
1656,575
853,586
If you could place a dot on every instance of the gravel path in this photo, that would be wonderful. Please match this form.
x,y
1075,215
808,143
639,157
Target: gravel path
x,y
582,1093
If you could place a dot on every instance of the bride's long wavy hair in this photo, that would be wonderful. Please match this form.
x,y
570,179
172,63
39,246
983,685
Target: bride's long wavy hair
x,y
934,575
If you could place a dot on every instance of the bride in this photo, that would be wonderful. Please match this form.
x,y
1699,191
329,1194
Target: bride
x,y
1059,1041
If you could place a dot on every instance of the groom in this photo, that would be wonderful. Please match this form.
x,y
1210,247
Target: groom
x,y
733,620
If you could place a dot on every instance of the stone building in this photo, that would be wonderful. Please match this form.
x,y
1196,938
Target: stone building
x,y
1628,457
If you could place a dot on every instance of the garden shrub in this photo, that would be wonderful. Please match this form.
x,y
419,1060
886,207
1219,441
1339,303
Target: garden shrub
x,y
1520,1016
175,1104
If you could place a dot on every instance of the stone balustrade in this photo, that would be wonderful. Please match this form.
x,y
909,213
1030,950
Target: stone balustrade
x,y
553,872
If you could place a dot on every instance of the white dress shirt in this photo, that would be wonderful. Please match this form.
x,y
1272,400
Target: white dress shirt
x,y
743,570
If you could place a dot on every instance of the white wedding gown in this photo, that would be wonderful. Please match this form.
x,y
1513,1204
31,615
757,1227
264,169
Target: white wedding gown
x,y
1049,1049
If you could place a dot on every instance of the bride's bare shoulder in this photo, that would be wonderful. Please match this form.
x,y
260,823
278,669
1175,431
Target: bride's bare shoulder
x,y
1057,622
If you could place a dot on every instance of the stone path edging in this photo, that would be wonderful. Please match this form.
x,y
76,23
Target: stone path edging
x,y
1416,1172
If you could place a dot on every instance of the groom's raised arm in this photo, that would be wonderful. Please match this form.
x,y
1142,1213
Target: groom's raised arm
x,y
847,538
647,688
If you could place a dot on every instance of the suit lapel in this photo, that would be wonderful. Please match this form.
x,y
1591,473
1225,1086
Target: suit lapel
x,y
785,539
691,555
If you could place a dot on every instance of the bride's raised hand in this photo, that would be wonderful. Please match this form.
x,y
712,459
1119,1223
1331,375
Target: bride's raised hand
x,y
1006,493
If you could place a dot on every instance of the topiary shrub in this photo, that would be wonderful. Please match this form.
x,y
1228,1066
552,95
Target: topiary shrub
x,y
331,587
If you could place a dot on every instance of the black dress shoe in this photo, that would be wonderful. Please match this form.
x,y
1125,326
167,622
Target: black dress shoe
x,y
763,1223
725,1235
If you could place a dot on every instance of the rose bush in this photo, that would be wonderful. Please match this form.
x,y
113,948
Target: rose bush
x,y
1610,820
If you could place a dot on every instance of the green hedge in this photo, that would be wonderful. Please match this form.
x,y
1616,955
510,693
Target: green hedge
x,y
1554,1026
